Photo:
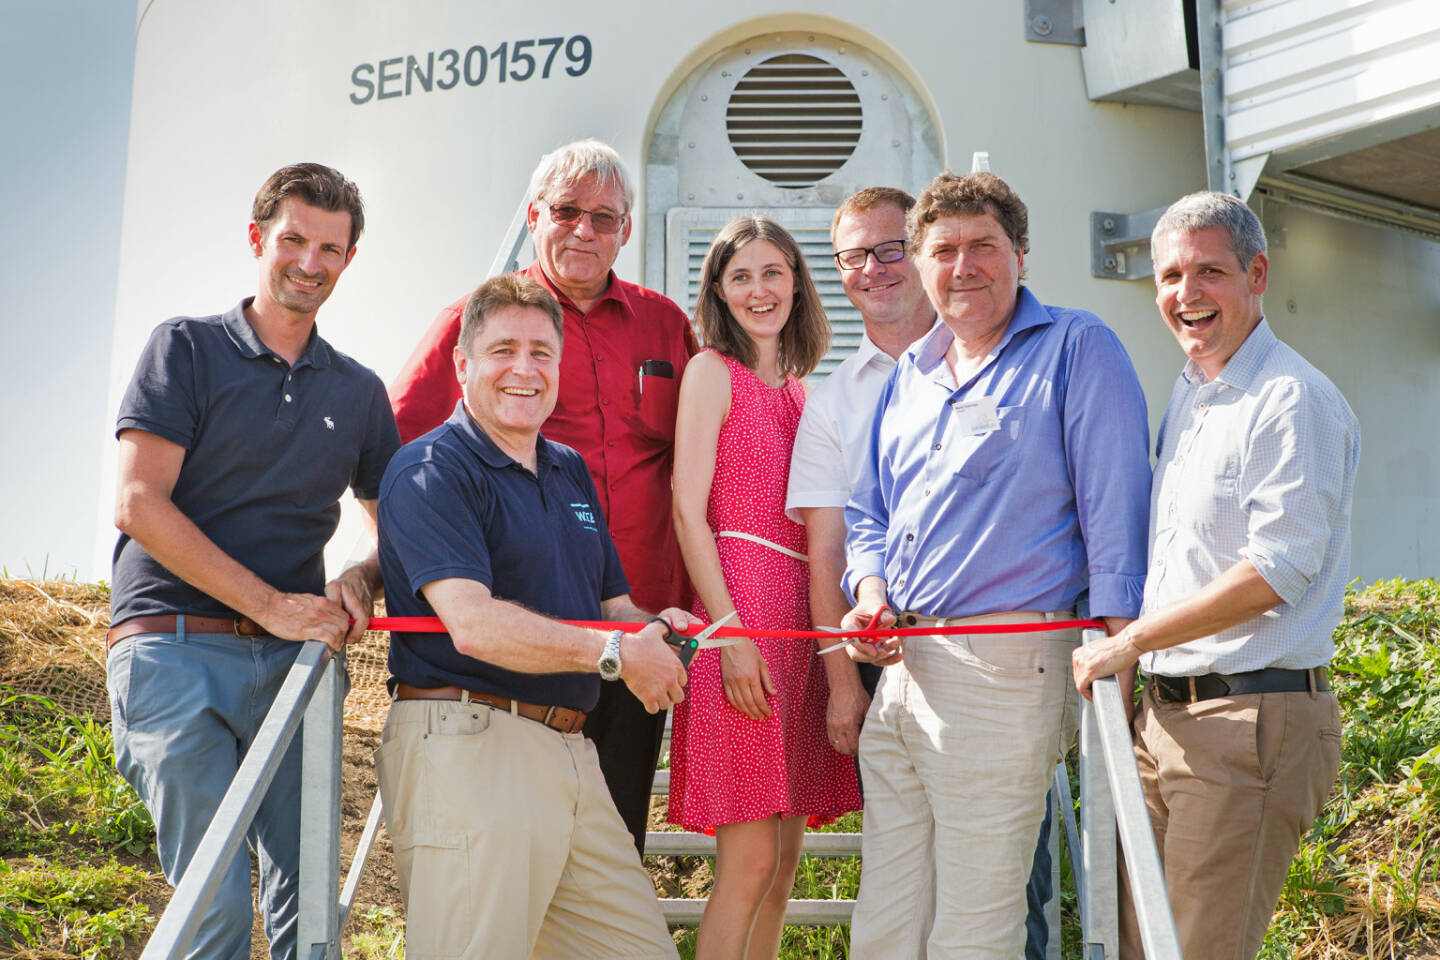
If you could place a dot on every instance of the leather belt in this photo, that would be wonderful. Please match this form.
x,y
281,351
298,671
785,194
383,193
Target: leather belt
x,y
1213,685
170,623
564,719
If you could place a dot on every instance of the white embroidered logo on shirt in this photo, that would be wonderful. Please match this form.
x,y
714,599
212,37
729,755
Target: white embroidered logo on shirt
x,y
329,424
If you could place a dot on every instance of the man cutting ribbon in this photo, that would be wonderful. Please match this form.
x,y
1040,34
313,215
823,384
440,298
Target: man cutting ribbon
x,y
1006,476
507,842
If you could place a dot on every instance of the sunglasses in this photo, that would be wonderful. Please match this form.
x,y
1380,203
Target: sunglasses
x,y
567,215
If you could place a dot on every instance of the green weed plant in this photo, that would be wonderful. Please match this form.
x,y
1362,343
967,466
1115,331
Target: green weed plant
x,y
58,783
85,911
1366,882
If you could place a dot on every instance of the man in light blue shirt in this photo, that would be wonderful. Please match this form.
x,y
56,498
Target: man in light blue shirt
x,y
1238,737
1007,476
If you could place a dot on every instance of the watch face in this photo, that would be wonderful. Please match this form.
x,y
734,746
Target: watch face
x,y
609,664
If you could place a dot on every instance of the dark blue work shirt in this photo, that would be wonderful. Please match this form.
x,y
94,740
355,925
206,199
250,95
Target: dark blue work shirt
x,y
453,504
269,452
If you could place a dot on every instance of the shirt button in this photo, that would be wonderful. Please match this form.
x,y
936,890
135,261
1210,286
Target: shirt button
x,y
287,398
605,401
276,359
1172,510
909,537
900,582
609,443
927,493
937,446
1159,562
289,377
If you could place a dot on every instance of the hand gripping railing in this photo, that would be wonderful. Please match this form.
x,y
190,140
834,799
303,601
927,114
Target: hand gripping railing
x,y
1110,794
315,689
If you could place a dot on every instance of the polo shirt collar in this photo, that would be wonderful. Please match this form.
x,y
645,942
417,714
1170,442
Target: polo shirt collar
x,y
247,341
930,349
480,444
1244,365
614,289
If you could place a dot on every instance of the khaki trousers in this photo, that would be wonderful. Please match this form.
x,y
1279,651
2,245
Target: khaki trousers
x,y
956,754
507,843
1232,785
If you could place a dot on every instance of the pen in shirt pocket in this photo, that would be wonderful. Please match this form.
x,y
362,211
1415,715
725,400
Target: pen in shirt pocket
x,y
655,368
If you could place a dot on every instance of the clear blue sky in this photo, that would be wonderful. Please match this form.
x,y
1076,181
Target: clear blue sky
x,y
64,124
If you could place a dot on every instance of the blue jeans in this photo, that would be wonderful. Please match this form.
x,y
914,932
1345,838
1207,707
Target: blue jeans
x,y
184,710
1040,890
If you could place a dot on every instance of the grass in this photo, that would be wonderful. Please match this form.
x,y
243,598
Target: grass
x,y
65,816
75,844
377,933
1366,882
58,786
80,911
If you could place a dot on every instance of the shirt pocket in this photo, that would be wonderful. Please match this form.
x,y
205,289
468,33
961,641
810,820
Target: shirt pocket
x,y
658,397
994,456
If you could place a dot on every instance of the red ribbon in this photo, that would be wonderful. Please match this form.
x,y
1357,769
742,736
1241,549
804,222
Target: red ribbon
x,y
433,625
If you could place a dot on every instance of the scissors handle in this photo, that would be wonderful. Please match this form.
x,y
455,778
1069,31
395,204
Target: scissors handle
x,y
685,647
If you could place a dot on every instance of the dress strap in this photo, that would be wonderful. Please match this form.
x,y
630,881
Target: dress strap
x,y
738,535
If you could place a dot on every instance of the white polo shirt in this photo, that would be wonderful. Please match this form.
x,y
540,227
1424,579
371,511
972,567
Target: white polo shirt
x,y
834,429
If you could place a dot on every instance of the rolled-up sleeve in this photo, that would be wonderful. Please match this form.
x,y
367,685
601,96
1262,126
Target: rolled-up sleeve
x,y
1292,484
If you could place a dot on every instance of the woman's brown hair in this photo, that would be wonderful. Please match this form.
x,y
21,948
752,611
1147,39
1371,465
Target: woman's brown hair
x,y
806,335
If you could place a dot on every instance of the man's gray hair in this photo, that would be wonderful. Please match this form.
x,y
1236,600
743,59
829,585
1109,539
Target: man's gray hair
x,y
581,160
1206,209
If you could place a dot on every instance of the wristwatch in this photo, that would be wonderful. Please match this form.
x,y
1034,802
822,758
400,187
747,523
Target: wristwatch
x,y
609,663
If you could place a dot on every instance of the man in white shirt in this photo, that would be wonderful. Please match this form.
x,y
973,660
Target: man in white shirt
x,y
1238,736
868,233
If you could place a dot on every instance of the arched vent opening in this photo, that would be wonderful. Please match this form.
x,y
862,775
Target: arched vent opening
x,y
794,119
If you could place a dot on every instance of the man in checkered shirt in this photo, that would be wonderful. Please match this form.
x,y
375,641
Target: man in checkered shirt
x,y
1238,736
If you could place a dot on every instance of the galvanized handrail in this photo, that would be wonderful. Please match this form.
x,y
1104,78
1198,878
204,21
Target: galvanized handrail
x,y
223,838
1111,795
507,258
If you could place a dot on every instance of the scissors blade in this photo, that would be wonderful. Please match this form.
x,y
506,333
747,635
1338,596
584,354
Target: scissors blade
x,y
874,619
688,646
702,639
838,646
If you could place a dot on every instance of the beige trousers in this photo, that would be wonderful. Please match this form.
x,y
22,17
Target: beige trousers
x,y
956,754
1232,784
507,842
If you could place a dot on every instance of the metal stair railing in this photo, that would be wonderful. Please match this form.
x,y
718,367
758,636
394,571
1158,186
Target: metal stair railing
x,y
314,690
1111,796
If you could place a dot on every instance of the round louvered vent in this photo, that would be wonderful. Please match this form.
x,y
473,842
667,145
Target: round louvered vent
x,y
794,119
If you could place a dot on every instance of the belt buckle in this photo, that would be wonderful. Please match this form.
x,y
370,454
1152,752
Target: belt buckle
x,y
549,715
235,628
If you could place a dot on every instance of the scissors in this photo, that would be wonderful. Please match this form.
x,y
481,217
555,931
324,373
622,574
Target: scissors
x,y
874,619
686,647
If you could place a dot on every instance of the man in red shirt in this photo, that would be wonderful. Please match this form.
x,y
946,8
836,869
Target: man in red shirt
x,y
625,349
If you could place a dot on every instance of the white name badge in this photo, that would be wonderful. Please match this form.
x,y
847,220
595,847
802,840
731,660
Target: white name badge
x,y
976,418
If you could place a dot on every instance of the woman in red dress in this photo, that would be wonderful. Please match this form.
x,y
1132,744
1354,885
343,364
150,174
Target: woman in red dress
x,y
750,758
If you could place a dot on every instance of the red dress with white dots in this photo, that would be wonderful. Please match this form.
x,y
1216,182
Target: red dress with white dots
x,y
725,767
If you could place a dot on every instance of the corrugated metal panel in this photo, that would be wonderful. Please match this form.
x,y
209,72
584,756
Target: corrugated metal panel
x,y
1312,73
690,231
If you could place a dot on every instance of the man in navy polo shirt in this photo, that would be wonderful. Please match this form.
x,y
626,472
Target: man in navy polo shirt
x,y
507,842
238,436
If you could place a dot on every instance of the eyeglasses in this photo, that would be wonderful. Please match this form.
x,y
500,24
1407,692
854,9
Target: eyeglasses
x,y
567,215
854,258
